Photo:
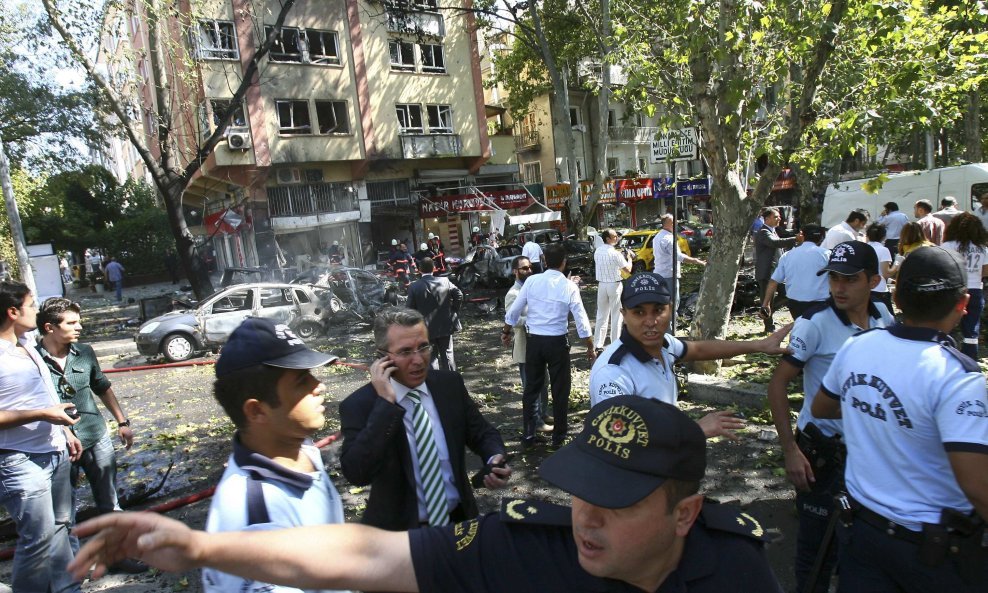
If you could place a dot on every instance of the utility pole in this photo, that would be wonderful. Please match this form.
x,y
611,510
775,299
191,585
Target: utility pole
x,y
16,231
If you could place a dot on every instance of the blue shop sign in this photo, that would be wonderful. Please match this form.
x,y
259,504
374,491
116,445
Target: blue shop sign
x,y
693,187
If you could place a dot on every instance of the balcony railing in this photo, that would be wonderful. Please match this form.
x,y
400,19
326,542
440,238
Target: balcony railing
x,y
311,198
424,146
527,140
632,135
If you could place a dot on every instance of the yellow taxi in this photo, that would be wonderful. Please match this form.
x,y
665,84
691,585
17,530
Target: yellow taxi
x,y
640,242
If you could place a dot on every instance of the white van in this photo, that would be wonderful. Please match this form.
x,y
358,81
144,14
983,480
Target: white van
x,y
964,182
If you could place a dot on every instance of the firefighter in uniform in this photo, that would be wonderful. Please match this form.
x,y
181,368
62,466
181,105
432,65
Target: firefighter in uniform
x,y
637,523
915,417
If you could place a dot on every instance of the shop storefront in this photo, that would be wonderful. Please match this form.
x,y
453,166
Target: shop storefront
x,y
453,217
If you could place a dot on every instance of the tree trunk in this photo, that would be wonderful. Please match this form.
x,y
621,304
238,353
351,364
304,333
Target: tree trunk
x,y
732,215
185,244
972,127
809,207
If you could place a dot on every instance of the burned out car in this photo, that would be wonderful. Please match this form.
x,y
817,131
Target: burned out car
x,y
179,335
358,293
486,268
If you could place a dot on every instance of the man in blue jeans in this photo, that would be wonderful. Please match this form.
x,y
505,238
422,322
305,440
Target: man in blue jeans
x,y
34,452
77,376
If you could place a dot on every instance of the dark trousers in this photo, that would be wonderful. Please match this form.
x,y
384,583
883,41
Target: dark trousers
x,y
871,561
892,245
814,509
442,353
971,322
762,289
542,403
552,353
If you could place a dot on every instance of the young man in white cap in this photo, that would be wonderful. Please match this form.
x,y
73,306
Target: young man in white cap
x,y
637,523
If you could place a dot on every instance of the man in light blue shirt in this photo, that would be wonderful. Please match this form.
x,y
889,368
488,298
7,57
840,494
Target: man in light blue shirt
x,y
550,298
797,269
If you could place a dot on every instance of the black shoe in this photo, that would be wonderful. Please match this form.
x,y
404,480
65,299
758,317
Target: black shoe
x,y
529,443
129,566
559,442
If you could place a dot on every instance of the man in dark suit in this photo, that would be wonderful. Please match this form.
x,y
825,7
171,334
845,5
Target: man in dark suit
x,y
768,247
438,300
404,433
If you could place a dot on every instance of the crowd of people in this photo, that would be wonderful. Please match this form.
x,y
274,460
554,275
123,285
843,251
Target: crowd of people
x,y
888,455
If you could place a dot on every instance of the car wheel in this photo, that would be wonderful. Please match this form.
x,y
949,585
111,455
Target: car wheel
x,y
307,329
178,347
638,267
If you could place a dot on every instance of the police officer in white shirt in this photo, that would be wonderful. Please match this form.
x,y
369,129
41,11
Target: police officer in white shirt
x,y
550,298
640,363
814,455
915,414
609,262
797,269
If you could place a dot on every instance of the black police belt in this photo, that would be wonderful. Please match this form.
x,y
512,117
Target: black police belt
x,y
891,528
819,448
962,537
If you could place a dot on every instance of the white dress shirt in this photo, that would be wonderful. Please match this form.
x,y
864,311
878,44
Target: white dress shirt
x,y
533,251
25,384
893,223
839,234
662,250
550,298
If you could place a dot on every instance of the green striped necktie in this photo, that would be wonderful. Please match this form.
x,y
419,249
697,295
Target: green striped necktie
x,y
428,455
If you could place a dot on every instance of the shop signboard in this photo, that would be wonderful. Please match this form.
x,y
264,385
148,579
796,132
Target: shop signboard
x,y
556,195
676,145
607,195
630,191
505,199
693,187
663,188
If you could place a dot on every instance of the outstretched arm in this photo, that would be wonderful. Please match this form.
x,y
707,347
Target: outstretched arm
x,y
717,349
324,557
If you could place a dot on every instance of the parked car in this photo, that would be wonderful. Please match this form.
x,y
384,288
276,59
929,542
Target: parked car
x,y
579,258
486,268
699,235
179,335
640,241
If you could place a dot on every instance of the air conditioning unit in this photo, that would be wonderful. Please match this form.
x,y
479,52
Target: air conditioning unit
x,y
238,139
289,176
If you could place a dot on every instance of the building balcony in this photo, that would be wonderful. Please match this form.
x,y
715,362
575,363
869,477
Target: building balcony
x,y
311,199
425,146
528,140
632,135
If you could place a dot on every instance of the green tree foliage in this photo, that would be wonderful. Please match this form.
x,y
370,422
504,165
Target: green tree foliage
x,y
88,209
772,83
34,110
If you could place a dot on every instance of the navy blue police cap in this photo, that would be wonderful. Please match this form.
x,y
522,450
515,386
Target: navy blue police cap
x,y
260,341
645,287
931,269
850,257
629,446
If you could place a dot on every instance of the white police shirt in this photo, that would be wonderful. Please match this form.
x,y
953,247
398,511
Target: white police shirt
x,y
797,269
815,338
908,398
624,368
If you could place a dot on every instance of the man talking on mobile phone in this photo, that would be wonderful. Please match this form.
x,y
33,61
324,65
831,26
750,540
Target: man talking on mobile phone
x,y
404,433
